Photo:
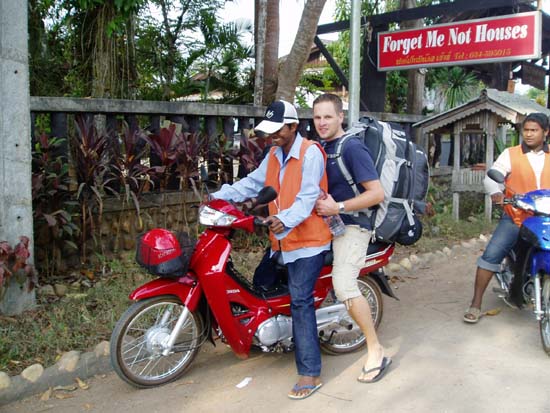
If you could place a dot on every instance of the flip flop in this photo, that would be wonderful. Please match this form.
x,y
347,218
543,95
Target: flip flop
x,y
472,315
311,387
383,369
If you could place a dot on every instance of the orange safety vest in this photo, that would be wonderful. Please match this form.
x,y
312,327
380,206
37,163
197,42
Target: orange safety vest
x,y
522,179
313,231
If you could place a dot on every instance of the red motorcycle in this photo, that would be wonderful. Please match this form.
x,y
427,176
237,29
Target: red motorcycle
x,y
199,295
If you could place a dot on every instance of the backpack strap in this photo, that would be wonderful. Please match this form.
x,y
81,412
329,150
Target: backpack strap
x,y
341,164
352,132
407,206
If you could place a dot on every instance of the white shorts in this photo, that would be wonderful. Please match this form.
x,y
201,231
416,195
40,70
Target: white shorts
x,y
350,251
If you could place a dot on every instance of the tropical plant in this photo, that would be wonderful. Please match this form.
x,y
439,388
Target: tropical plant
x,y
252,150
13,263
165,71
194,147
454,85
396,91
220,63
130,173
92,161
176,152
539,96
147,49
53,207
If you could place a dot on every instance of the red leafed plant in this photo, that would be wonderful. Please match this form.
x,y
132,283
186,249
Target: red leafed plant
x,y
13,263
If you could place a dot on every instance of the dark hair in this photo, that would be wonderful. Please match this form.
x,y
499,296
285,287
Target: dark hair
x,y
539,118
330,97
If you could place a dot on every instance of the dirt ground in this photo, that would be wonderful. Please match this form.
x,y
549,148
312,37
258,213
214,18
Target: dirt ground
x,y
439,364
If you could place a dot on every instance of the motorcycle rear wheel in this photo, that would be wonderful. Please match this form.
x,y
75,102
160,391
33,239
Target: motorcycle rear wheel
x,y
136,342
348,341
544,323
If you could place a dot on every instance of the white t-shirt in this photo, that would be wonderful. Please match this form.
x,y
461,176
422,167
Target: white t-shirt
x,y
504,166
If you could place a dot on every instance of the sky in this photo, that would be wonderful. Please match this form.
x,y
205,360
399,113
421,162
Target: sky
x,y
290,14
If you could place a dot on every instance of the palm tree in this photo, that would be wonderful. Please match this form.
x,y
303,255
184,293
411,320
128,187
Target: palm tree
x,y
455,85
221,61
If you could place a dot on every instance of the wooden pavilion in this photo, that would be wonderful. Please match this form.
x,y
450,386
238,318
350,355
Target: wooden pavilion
x,y
475,126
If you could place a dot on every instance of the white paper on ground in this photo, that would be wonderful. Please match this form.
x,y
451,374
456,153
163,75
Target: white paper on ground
x,y
245,382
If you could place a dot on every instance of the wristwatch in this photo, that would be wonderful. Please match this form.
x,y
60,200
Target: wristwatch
x,y
341,208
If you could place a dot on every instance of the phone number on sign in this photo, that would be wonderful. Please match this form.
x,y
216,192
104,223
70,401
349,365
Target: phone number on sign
x,y
489,53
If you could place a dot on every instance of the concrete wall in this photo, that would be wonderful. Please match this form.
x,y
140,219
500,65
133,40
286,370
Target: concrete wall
x,y
15,143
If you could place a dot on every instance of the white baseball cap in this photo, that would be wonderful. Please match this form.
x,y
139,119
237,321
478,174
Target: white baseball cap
x,y
277,115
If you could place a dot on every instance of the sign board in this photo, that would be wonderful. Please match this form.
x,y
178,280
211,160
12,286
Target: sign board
x,y
533,75
494,39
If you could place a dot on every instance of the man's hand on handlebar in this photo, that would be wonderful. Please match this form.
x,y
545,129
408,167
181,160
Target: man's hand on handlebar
x,y
248,205
497,198
275,224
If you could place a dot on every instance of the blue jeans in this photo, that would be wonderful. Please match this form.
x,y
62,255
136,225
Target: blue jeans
x,y
302,275
503,240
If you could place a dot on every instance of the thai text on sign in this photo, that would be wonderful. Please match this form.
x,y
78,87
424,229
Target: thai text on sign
x,y
511,37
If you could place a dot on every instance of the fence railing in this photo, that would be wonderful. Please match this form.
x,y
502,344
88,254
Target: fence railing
x,y
467,180
194,116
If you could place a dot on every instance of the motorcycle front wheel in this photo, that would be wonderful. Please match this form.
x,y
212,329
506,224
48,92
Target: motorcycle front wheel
x,y
347,340
544,323
139,339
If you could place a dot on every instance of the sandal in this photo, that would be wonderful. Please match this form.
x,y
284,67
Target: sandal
x,y
382,370
303,392
472,315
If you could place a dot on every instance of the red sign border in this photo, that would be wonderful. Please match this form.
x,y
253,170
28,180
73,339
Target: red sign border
x,y
535,55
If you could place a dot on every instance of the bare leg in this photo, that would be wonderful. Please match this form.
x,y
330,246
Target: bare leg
x,y
482,281
359,310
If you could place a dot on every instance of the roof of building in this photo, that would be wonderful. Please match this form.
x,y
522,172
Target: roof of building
x,y
508,106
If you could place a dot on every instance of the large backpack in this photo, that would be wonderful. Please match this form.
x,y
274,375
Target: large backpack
x,y
404,174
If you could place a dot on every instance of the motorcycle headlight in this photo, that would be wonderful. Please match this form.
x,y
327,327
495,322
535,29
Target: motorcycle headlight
x,y
214,218
542,205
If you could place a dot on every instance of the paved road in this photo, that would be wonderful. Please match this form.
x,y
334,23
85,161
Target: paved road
x,y
440,364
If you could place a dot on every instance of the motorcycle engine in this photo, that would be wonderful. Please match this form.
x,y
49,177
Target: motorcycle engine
x,y
273,331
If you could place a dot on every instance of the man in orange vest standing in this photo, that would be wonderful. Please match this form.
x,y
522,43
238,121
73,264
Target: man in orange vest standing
x,y
527,168
295,167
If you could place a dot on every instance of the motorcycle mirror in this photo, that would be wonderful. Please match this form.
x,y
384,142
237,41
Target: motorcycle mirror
x,y
203,173
204,178
266,195
496,176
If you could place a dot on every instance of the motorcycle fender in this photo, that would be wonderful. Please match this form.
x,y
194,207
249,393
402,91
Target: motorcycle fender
x,y
382,282
188,292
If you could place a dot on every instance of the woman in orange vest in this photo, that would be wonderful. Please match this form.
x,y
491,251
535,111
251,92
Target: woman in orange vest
x,y
527,168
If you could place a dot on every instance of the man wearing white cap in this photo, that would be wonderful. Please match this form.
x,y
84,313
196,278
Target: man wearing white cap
x,y
295,167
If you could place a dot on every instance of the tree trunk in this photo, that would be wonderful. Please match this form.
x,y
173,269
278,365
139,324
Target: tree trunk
x,y
260,20
416,77
291,69
113,68
271,53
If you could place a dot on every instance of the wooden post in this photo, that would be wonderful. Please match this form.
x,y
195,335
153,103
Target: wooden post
x,y
490,134
456,170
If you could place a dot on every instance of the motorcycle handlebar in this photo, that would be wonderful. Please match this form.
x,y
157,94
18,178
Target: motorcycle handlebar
x,y
258,221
